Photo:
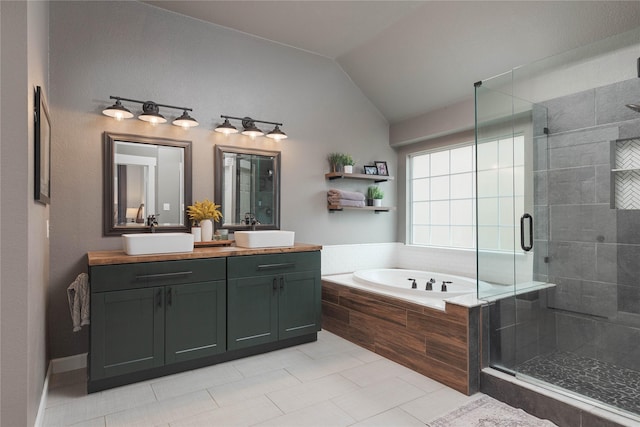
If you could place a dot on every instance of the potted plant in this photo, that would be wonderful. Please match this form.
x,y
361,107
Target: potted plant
x,y
335,161
201,213
348,162
374,196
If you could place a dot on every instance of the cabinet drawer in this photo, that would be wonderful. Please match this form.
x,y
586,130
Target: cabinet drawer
x,y
141,275
259,265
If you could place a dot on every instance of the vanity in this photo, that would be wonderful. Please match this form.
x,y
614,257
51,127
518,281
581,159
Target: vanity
x,y
163,313
154,315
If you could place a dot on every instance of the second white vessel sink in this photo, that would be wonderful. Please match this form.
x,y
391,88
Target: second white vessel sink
x,y
157,243
264,238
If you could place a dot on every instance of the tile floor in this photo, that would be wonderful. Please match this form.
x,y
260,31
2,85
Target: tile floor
x,y
331,382
605,382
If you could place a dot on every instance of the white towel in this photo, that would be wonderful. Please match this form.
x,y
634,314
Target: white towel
x,y
78,296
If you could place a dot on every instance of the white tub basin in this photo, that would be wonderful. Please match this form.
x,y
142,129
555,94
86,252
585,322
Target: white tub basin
x,y
264,238
157,243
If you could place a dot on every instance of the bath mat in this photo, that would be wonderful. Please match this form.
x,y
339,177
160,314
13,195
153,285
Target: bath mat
x,y
489,412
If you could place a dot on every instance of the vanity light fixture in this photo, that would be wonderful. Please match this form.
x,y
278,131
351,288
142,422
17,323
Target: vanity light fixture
x,y
250,128
150,112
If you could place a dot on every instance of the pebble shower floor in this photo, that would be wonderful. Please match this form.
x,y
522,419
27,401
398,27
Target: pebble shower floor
x,y
607,383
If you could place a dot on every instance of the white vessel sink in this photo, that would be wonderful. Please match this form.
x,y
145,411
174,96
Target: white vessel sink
x,y
157,243
264,238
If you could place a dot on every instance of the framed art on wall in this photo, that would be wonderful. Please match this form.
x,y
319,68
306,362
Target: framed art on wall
x,y
42,152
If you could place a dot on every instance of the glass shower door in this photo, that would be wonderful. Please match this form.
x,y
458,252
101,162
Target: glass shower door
x,y
511,247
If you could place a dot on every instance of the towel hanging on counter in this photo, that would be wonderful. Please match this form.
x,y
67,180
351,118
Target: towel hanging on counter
x,y
78,296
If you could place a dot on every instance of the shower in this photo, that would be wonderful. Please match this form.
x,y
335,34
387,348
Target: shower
x,y
561,193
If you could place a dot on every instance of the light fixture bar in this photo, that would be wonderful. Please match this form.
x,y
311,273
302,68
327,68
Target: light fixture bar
x,y
150,113
250,119
143,102
250,128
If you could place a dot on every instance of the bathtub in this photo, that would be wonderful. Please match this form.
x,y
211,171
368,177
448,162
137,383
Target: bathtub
x,y
401,281
395,282
432,332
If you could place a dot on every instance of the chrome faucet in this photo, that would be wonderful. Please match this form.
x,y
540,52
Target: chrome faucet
x,y
152,222
250,219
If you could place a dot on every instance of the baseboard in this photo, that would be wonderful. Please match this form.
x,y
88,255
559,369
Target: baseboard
x,y
43,399
70,363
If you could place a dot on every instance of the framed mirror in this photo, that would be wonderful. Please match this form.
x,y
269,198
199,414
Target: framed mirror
x,y
247,181
145,176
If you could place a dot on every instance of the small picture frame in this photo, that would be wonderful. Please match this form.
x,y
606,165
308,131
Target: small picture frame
x,y
370,170
42,148
381,168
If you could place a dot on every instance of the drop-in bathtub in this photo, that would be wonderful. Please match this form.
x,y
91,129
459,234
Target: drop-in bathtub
x,y
401,281
432,332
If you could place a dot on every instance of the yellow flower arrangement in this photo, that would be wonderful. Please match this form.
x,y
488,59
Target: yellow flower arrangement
x,y
204,210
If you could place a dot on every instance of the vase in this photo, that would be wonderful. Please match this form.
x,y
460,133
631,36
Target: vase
x,y
348,168
207,230
377,202
197,234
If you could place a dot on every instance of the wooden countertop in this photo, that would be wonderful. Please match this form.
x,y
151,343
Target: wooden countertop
x,y
119,257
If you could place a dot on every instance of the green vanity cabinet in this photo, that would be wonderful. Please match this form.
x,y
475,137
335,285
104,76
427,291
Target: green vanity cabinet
x,y
127,331
272,297
149,315
195,320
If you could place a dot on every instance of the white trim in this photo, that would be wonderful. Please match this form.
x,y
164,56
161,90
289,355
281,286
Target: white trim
x,y
70,363
43,399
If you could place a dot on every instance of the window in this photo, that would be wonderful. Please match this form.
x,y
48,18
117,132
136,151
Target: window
x,y
442,196
442,192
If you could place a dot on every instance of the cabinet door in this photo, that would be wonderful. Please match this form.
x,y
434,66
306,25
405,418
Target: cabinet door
x,y
127,331
252,308
195,322
299,304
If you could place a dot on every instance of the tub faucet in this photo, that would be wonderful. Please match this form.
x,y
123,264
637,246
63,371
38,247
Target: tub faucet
x,y
430,283
444,285
413,284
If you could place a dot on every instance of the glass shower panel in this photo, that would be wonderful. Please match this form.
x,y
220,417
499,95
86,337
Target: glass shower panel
x,y
495,234
511,250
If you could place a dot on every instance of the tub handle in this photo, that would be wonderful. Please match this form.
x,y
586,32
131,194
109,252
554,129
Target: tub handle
x,y
414,285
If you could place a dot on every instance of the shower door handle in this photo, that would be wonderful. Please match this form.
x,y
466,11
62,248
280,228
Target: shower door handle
x,y
524,247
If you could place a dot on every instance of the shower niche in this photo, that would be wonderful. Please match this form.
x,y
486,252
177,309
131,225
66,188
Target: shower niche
x,y
625,176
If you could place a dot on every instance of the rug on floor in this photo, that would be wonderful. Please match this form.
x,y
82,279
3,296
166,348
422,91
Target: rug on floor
x,y
489,412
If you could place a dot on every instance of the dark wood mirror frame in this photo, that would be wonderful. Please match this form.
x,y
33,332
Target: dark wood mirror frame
x,y
219,180
109,229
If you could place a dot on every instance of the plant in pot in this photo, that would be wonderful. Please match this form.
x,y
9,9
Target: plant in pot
x,y
348,163
335,161
201,214
374,196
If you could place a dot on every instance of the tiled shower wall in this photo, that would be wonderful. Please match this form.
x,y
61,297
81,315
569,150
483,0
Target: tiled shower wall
x,y
593,248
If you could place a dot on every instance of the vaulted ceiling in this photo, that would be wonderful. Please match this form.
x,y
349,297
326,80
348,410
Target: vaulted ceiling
x,y
412,57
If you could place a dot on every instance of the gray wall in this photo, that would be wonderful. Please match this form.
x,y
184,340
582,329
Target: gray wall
x,y
593,248
24,247
134,50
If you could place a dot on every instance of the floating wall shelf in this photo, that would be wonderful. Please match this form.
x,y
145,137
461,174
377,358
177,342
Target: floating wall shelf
x,y
375,178
376,209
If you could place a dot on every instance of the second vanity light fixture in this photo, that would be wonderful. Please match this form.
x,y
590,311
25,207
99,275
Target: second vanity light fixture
x,y
150,112
250,128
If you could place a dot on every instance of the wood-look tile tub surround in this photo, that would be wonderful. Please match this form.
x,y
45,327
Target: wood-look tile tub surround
x,y
442,345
